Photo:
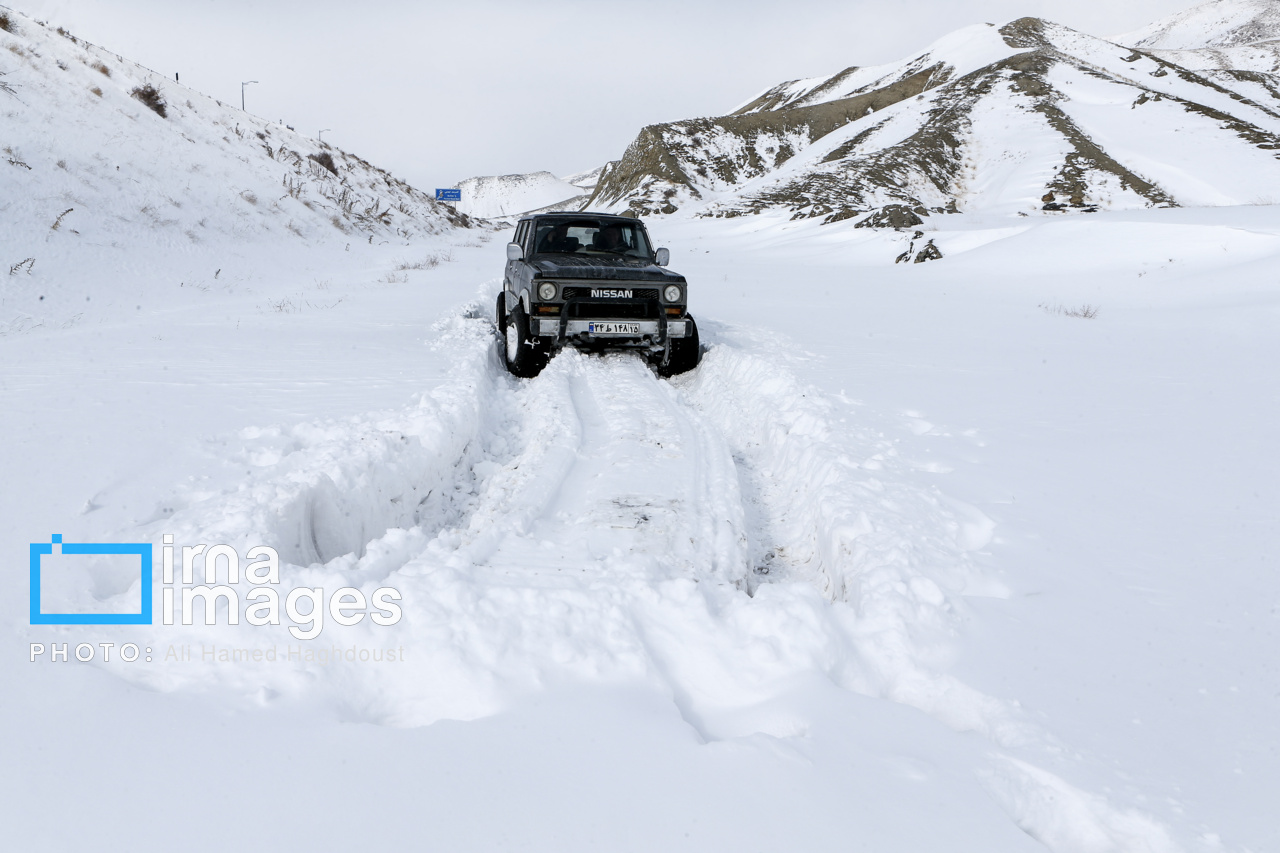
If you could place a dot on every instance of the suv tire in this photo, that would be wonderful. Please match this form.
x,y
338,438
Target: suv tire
x,y
685,353
525,355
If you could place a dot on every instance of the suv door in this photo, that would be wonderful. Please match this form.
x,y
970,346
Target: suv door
x,y
511,276
521,271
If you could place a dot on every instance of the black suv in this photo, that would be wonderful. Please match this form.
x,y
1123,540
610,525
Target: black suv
x,y
592,280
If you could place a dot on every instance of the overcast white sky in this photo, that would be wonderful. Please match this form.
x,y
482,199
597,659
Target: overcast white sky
x,y
438,92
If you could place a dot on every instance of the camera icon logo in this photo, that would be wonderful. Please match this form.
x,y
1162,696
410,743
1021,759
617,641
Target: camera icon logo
x,y
142,550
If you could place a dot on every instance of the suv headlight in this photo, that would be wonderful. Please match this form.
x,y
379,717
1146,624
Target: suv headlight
x,y
547,290
672,293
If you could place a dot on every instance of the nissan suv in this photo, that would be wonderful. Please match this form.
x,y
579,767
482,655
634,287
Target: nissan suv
x,y
592,281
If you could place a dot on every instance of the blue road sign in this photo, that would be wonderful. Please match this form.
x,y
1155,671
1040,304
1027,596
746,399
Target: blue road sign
x,y
448,195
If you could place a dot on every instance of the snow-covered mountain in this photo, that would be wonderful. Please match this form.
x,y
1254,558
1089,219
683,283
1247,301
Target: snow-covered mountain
x,y
1241,35
105,163
1219,23
587,180
494,196
1024,117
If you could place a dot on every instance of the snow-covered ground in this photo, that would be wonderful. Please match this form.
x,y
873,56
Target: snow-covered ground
x,y
914,559
974,554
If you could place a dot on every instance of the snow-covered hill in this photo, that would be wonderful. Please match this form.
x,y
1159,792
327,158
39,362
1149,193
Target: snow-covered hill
x,y
1223,35
1025,117
587,180
110,168
496,196
1218,23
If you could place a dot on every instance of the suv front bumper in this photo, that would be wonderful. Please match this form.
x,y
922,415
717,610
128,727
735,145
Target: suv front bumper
x,y
562,329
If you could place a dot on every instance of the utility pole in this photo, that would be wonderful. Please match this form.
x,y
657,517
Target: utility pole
x,y
320,135
242,85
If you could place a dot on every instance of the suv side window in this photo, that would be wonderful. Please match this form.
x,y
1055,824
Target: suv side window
x,y
527,225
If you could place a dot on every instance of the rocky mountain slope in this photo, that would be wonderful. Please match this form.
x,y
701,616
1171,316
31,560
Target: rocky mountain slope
x,y
1027,116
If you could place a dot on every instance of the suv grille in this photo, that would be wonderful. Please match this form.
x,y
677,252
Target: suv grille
x,y
635,292
608,310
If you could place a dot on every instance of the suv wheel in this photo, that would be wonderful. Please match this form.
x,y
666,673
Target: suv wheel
x,y
685,353
525,354
500,314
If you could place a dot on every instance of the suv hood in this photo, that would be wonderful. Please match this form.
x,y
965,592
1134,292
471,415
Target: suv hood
x,y
599,268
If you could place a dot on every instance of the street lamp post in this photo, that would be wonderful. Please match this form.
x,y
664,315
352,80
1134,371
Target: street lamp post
x,y
320,135
242,85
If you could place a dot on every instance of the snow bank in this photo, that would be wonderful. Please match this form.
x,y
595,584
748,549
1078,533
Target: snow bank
x,y
835,508
1066,819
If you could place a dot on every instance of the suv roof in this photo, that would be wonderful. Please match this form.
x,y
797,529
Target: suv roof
x,y
581,214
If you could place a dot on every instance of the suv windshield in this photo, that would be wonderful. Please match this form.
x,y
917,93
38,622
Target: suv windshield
x,y
592,237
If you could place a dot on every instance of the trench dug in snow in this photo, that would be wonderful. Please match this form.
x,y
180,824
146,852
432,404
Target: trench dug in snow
x,y
715,535
719,536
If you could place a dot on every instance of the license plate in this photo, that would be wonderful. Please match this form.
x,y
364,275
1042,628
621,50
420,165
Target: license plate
x,y
614,328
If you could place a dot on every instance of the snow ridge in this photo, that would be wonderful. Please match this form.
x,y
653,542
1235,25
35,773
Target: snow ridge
x,y
833,510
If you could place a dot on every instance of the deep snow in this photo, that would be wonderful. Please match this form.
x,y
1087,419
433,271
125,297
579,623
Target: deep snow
x,y
1048,534
918,558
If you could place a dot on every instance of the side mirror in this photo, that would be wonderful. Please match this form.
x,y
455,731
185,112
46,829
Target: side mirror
x,y
662,257
514,252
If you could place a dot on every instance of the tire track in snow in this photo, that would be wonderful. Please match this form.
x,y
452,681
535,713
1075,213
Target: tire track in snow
x,y
590,523
491,483
599,524
617,476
